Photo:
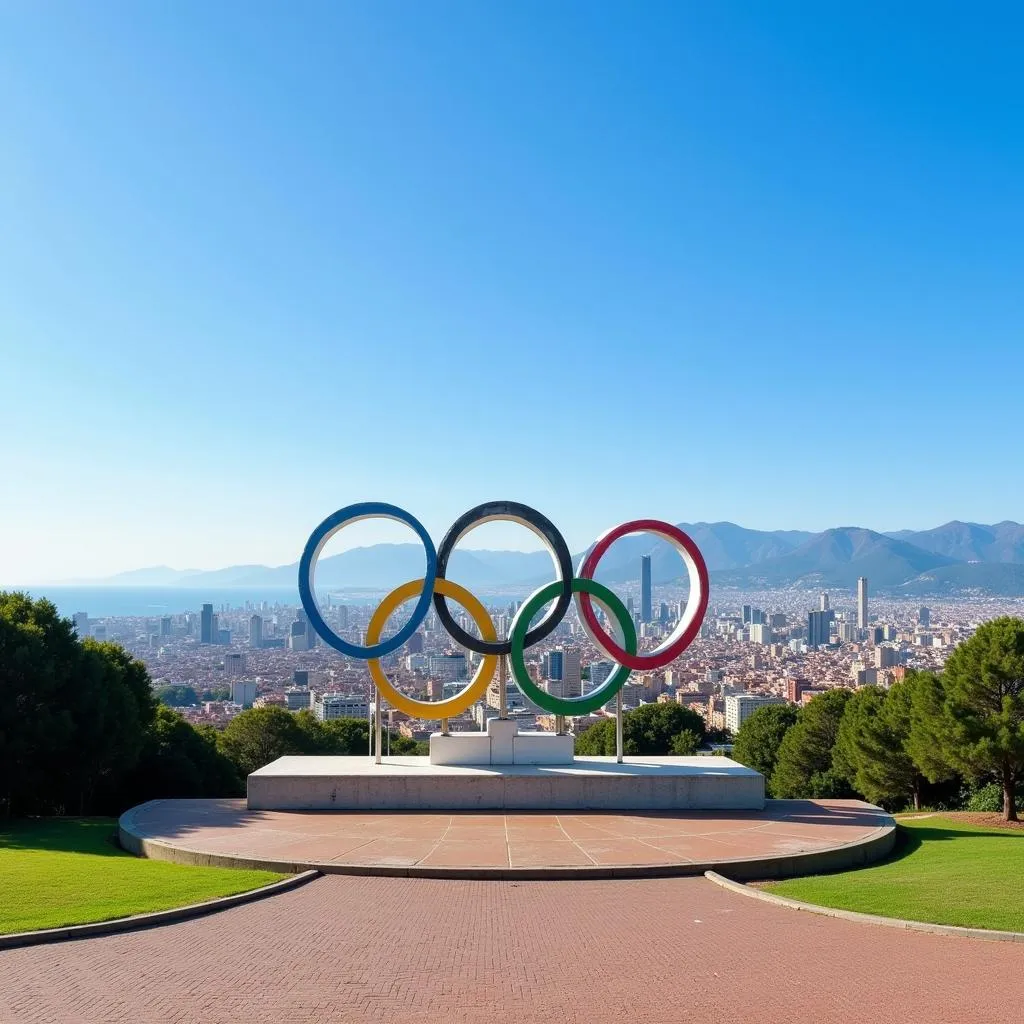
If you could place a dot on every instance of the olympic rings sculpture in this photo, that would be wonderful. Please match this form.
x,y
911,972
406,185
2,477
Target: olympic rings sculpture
x,y
434,588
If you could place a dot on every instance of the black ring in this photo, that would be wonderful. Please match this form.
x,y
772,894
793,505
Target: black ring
x,y
515,512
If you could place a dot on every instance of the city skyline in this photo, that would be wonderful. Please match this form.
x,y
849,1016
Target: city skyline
x,y
216,286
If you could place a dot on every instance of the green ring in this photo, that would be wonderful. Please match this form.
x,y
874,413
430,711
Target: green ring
x,y
596,698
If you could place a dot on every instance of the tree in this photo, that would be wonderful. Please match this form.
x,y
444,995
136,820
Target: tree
x,y
261,735
649,729
181,761
871,747
685,743
804,767
760,736
982,724
177,696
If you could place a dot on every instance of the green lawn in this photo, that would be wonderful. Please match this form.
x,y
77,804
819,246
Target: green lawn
x,y
64,871
942,871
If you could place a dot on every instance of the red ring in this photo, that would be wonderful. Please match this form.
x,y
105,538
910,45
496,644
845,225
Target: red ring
x,y
668,652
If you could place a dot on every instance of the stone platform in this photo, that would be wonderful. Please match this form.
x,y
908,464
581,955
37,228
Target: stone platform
x,y
787,837
587,783
501,743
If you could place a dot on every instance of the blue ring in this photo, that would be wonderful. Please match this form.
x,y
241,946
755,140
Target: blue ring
x,y
319,537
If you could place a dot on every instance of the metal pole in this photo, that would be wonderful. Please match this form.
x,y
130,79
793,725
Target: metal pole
x,y
618,727
444,726
377,731
502,690
560,724
390,715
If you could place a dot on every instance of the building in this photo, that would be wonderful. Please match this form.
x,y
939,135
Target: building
x,y
924,617
328,706
243,692
297,638
740,706
435,689
447,667
746,613
823,602
553,664
256,631
599,672
572,681
862,602
206,634
234,666
760,633
165,626
645,588
296,698
82,623
886,657
414,645
819,628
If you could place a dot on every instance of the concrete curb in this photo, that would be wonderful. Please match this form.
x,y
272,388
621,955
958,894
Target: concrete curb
x,y
852,915
856,854
158,917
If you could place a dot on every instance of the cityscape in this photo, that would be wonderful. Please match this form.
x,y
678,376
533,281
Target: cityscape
x,y
753,649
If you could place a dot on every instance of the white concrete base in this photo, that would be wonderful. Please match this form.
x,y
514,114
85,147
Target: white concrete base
x,y
413,783
503,743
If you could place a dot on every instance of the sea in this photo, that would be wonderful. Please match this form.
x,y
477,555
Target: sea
x,y
114,602
100,602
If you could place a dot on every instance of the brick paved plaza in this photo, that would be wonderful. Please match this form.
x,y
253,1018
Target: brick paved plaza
x,y
571,952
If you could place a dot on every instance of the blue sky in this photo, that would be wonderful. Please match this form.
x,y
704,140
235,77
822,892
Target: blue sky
x,y
757,262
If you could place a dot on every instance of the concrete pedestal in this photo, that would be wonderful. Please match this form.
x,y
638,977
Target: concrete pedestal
x,y
413,783
502,743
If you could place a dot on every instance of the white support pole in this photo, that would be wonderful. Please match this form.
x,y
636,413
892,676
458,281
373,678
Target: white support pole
x,y
377,731
502,690
618,727
444,726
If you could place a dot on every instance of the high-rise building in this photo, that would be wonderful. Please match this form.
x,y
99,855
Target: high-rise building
x,y
819,628
663,617
747,611
739,707
761,633
414,645
862,602
234,666
823,602
301,616
553,664
924,617
82,623
165,626
599,672
256,631
297,639
206,634
243,692
572,682
646,613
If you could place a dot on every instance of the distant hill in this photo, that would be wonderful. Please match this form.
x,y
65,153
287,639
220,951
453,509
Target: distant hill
x,y
990,579
971,542
955,557
837,557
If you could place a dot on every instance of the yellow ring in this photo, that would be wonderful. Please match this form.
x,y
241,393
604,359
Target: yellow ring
x,y
432,708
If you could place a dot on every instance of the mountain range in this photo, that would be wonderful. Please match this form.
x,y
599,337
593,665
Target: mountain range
x,y
950,559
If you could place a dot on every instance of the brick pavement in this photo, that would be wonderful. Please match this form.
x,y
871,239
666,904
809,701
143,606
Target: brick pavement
x,y
585,952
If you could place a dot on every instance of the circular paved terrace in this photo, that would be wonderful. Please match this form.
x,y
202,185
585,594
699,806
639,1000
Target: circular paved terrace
x,y
788,837
414,950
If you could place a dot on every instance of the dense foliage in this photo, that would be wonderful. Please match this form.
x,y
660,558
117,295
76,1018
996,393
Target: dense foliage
x,y
649,729
82,732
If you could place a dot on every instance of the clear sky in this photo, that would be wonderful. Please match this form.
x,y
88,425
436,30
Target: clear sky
x,y
751,261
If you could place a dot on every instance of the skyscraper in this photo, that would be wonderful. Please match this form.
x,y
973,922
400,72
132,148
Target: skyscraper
x,y
256,631
645,588
924,617
553,664
572,682
823,602
819,628
206,625
862,602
